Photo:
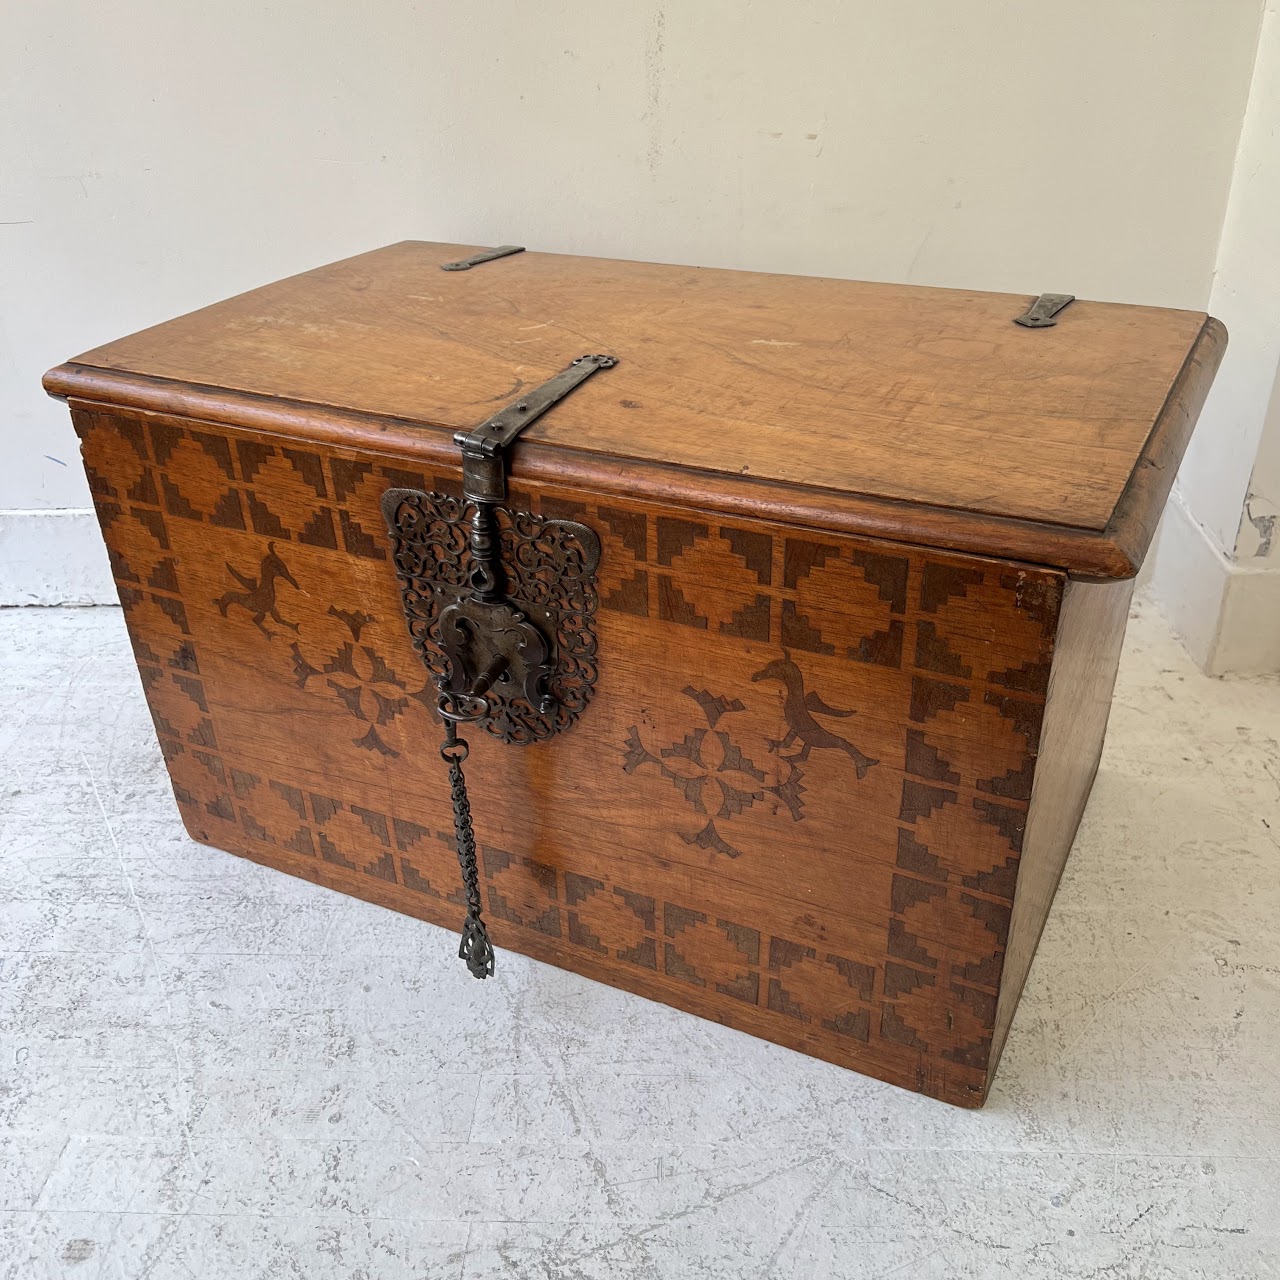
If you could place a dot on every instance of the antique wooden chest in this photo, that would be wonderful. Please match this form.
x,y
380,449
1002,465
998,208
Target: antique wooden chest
x,y
783,639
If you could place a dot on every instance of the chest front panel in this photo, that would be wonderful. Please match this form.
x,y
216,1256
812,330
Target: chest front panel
x,y
795,802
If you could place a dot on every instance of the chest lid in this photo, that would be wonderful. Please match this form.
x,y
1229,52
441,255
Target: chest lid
x,y
923,415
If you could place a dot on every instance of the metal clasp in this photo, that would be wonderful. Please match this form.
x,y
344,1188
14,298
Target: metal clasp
x,y
519,663
484,473
485,637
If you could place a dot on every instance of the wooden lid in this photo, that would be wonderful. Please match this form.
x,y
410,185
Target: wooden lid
x,y
920,414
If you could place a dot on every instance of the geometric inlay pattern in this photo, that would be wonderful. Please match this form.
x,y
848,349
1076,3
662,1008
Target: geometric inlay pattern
x,y
844,773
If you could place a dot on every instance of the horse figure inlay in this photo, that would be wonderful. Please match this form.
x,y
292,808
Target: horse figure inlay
x,y
259,595
799,709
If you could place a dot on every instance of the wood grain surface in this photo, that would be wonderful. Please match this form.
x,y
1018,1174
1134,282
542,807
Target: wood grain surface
x,y
796,804
1087,654
845,530
929,402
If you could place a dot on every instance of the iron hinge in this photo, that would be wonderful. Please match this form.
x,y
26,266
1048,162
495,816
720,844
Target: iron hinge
x,y
1040,314
484,473
484,255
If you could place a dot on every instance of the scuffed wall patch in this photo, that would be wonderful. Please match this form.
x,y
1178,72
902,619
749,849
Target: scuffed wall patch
x,y
1260,515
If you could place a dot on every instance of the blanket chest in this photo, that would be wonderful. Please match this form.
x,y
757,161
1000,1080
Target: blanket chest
x,y
779,616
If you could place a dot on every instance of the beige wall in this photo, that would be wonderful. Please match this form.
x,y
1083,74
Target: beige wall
x,y
156,157
1216,570
1260,529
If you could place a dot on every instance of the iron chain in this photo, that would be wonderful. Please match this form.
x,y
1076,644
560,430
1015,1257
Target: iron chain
x,y
475,947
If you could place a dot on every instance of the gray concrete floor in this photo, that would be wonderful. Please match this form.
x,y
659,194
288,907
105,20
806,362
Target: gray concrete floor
x,y
209,1069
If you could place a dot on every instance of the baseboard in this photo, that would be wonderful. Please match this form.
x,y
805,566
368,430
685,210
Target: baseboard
x,y
53,557
1227,615
1249,634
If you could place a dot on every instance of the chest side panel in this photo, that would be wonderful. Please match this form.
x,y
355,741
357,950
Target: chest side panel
x,y
795,804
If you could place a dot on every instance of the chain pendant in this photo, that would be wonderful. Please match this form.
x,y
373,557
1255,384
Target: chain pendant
x,y
475,947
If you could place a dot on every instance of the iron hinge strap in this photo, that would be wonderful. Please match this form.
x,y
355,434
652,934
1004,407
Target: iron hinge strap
x,y
484,255
1040,314
484,476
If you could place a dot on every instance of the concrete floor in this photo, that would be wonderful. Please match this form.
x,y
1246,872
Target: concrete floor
x,y
210,1069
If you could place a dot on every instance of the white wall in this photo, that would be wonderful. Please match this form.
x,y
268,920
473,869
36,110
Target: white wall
x,y
154,158
1217,570
1259,541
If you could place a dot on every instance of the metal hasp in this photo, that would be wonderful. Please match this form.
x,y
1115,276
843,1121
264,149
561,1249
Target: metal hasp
x,y
484,255
1040,314
501,608
500,603
488,639
484,472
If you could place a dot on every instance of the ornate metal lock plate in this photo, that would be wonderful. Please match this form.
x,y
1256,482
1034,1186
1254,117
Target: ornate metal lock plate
x,y
500,604
535,644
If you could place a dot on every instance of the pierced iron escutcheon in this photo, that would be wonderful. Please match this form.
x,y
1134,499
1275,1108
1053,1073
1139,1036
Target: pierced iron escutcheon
x,y
501,608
